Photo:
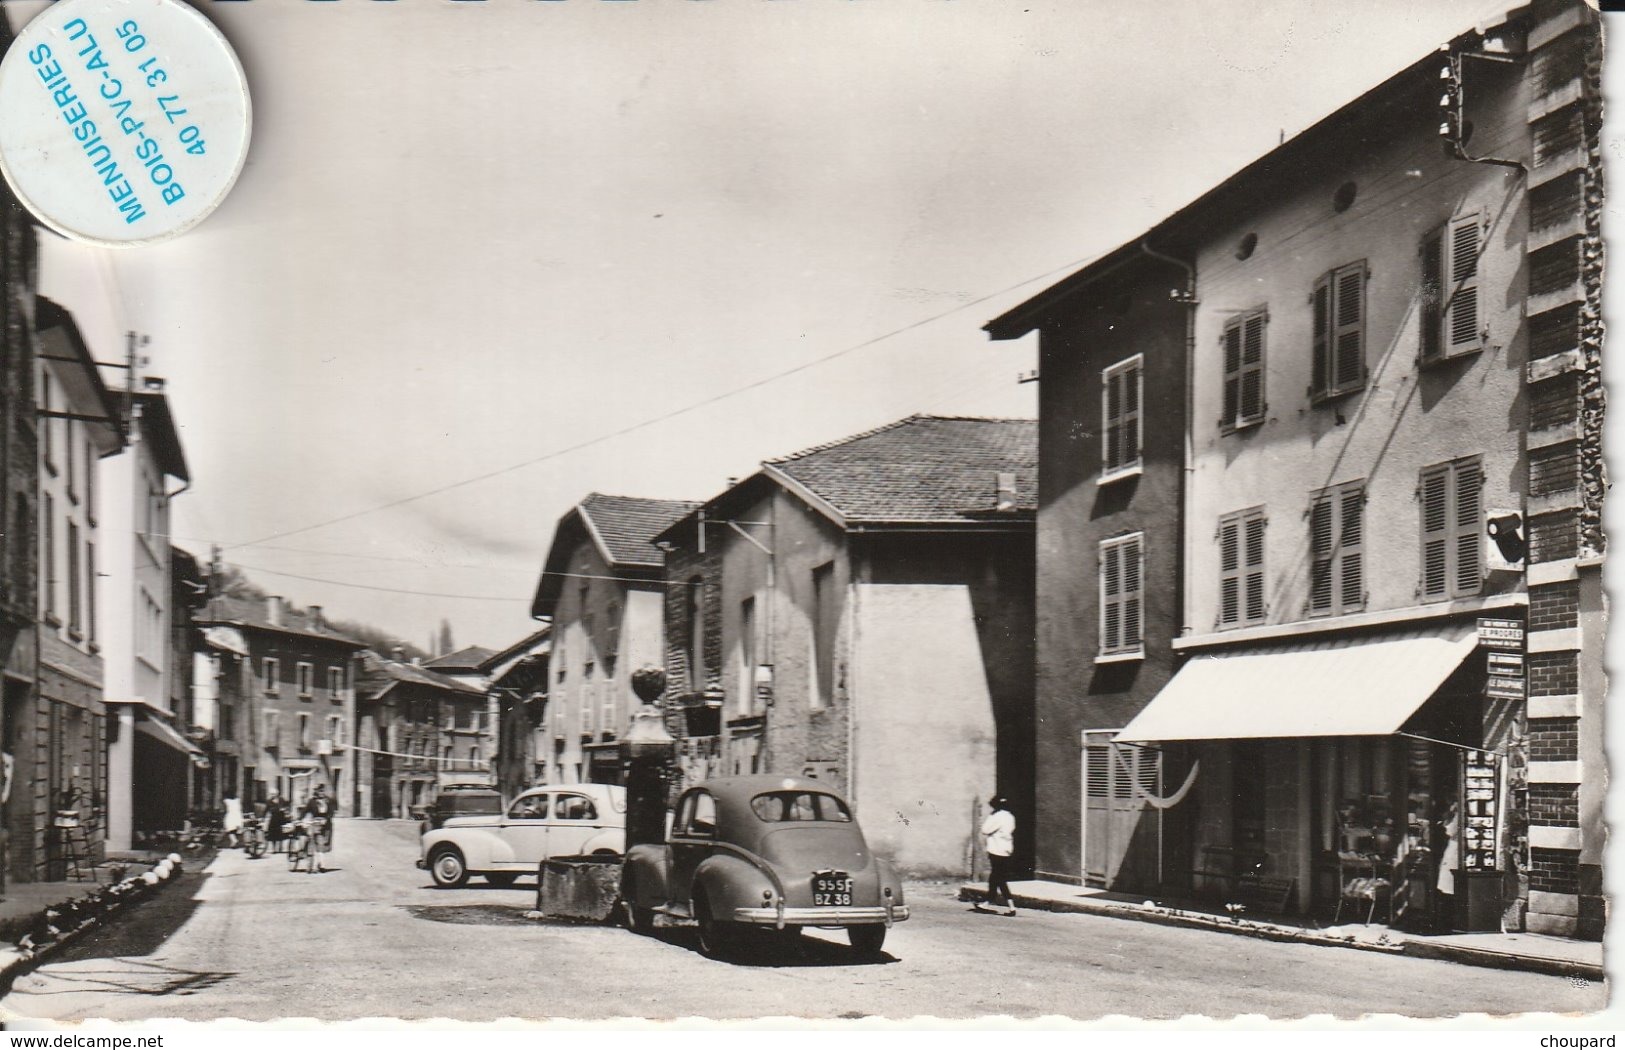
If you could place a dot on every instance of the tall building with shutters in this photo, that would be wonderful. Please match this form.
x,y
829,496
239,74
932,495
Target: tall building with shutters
x,y
1386,676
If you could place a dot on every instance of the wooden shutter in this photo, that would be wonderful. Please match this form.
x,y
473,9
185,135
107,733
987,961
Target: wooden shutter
x,y
1098,759
1351,548
1467,528
1461,309
1253,577
1132,593
1230,572
1131,415
1111,590
1321,382
1435,498
1252,369
1232,373
1321,554
1348,349
1112,411
1433,266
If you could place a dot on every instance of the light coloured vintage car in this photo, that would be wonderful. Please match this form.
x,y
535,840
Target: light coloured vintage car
x,y
558,820
769,852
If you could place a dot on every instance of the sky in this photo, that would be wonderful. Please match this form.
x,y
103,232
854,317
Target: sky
x,y
485,258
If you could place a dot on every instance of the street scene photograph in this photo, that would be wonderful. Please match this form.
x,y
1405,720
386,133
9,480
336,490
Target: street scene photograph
x,y
813,510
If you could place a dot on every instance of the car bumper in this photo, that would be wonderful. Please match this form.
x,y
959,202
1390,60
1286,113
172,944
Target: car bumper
x,y
821,916
423,864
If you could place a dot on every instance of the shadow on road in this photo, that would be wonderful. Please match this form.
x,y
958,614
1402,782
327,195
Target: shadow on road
x,y
478,915
143,928
768,948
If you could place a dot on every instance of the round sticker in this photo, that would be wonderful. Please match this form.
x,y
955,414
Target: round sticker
x,y
122,122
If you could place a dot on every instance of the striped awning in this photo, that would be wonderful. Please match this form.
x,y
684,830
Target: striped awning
x,y
1360,686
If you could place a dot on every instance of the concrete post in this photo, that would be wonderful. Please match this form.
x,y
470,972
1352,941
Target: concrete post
x,y
649,761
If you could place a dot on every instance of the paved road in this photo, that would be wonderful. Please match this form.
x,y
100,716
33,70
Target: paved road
x,y
249,939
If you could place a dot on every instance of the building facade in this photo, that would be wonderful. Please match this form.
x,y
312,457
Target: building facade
x,y
601,590
295,728
147,754
1111,452
1389,654
859,600
416,731
518,688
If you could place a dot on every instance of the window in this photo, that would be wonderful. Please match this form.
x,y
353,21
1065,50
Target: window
x,y
1450,322
48,553
1337,550
1120,418
305,675
71,455
91,583
335,684
304,731
270,730
1244,370
1241,568
1452,529
90,482
558,659
747,656
697,815
608,703
825,615
75,584
781,806
575,807
1339,302
335,730
47,429
529,807
589,644
269,670
612,637
586,712
1121,595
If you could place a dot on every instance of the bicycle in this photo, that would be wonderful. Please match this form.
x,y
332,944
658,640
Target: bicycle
x,y
300,846
253,837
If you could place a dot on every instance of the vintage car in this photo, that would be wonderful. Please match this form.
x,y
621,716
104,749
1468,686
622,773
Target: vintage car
x,y
769,852
458,800
559,820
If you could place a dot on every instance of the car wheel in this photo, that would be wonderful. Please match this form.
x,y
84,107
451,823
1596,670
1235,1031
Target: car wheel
x,y
447,867
867,939
638,920
716,938
501,878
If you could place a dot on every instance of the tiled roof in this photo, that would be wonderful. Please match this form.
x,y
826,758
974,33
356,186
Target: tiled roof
x,y
466,659
627,525
252,613
921,469
379,675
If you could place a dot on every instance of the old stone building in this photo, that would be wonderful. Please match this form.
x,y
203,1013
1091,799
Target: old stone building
x,y
416,731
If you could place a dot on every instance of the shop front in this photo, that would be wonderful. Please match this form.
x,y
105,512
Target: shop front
x,y
1351,778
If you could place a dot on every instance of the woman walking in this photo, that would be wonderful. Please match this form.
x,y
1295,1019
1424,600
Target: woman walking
x,y
319,812
999,830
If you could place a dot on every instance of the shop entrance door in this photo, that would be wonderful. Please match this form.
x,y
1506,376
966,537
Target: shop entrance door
x,y
1122,833
1248,786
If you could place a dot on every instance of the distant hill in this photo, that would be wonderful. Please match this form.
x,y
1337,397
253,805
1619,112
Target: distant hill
x,y
235,583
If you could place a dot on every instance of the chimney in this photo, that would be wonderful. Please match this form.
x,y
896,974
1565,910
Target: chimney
x,y
315,614
417,661
1006,500
398,654
273,610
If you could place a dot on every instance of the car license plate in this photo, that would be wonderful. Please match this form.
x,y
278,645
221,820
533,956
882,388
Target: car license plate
x,y
832,891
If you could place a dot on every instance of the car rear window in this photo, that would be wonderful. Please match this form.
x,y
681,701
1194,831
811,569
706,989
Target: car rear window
x,y
780,806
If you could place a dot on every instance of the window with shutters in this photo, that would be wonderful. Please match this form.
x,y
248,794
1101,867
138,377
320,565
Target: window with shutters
x,y
1241,568
1121,596
1120,399
1339,340
1337,550
1450,314
1244,371
1452,498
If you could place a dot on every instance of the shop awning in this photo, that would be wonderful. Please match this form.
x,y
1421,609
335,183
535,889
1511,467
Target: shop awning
x,y
167,735
1364,686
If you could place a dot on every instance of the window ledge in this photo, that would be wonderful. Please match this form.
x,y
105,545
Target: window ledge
x,y
1327,397
1121,474
1120,658
1241,426
1430,363
52,620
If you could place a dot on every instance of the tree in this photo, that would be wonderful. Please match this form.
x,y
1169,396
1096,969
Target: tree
x,y
446,643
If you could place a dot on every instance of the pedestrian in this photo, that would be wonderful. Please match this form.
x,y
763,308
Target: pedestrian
x,y
276,821
319,811
232,822
1444,911
999,831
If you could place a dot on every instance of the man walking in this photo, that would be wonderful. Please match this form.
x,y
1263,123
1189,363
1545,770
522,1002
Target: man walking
x,y
999,829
